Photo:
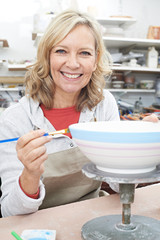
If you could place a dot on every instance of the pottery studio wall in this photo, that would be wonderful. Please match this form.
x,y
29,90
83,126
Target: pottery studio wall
x,y
17,23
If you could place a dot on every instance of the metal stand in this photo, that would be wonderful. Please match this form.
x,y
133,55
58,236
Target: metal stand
x,y
118,227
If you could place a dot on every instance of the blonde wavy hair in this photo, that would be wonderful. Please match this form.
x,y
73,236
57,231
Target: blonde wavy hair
x,y
38,81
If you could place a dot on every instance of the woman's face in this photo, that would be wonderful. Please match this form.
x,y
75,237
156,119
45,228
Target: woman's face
x,y
73,60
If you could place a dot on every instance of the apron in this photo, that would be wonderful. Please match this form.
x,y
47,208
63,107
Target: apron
x,y
64,181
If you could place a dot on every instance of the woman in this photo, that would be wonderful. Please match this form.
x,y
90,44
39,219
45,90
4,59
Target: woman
x,y
63,87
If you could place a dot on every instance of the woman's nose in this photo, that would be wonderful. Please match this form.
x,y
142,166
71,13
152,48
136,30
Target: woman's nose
x,y
72,61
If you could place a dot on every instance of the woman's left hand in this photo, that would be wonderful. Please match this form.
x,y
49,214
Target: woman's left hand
x,y
151,118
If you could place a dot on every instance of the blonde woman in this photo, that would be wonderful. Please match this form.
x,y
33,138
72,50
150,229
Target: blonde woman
x,y
64,86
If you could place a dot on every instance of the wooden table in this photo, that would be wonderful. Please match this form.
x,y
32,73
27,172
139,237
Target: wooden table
x,y
68,219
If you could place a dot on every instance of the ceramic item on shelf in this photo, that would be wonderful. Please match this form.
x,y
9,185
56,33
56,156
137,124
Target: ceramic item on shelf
x,y
118,84
152,58
153,32
117,76
125,147
147,84
112,31
129,79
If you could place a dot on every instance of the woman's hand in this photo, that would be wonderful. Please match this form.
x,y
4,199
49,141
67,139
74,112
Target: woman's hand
x,y
151,118
31,151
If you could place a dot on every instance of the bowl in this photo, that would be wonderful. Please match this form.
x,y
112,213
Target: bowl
x,y
125,147
117,76
118,84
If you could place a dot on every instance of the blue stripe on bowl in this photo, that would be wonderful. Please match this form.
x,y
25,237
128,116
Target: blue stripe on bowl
x,y
143,137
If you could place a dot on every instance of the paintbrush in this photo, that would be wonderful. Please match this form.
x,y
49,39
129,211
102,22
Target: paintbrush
x,y
63,131
16,235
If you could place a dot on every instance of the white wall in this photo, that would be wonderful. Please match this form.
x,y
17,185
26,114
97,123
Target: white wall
x,y
16,20
16,23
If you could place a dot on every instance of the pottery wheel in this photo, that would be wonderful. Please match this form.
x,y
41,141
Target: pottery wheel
x,y
125,226
105,228
91,171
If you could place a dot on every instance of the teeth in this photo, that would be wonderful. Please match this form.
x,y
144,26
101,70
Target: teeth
x,y
71,76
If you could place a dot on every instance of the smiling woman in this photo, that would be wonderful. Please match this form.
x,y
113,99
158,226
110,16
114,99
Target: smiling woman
x,y
63,87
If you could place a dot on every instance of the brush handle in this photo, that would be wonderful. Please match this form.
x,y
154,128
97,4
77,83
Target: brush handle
x,y
15,139
9,140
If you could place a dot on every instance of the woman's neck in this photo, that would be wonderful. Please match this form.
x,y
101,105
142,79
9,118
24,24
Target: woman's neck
x,y
62,104
64,101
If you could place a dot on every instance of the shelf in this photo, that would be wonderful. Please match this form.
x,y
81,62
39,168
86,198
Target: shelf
x,y
136,69
118,21
122,42
12,79
10,89
125,90
18,67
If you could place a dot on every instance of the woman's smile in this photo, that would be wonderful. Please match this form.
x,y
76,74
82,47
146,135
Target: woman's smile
x,y
71,76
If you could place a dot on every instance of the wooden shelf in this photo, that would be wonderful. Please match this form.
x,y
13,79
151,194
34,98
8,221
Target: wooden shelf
x,y
18,67
12,79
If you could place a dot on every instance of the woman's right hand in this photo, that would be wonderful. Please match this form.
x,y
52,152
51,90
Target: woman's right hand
x,y
31,151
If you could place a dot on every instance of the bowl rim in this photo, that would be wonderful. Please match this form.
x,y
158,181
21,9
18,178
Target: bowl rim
x,y
77,131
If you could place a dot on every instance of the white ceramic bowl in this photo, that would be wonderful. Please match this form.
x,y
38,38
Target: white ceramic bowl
x,y
118,84
119,146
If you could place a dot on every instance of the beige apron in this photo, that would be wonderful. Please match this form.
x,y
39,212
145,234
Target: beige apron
x,y
64,181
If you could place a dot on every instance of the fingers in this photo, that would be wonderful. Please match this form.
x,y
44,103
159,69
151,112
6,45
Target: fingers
x,y
32,140
151,118
36,166
31,150
22,141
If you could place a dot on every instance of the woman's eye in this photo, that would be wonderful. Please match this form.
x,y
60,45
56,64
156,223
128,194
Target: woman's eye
x,y
60,51
85,53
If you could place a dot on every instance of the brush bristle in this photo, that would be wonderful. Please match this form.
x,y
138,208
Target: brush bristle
x,y
60,132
